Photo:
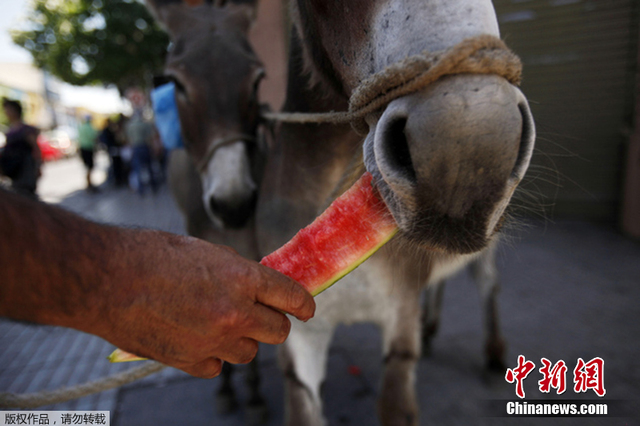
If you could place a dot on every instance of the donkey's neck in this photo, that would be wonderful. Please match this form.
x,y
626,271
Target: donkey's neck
x,y
306,162
303,93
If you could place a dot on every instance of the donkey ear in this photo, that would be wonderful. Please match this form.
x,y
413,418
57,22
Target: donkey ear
x,y
221,3
171,14
242,14
156,7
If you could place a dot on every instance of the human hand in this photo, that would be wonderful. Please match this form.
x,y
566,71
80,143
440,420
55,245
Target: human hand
x,y
191,305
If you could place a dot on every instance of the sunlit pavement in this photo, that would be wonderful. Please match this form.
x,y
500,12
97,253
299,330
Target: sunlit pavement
x,y
63,177
569,290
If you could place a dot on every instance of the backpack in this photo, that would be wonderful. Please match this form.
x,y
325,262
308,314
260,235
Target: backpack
x,y
166,116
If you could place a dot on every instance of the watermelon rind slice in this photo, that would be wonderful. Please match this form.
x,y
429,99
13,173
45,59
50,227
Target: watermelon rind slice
x,y
122,356
354,265
346,234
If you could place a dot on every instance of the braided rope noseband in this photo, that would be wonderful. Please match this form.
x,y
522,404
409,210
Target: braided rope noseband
x,y
484,54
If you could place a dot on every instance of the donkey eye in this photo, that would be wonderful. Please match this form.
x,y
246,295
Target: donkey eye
x,y
179,85
180,89
256,82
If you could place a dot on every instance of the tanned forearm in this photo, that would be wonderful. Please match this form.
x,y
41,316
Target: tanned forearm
x,y
53,264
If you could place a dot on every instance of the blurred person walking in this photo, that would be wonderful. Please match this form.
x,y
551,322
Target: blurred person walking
x,y
87,136
21,158
108,138
140,135
125,148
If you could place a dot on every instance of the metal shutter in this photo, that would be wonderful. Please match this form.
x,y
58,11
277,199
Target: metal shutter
x,y
579,67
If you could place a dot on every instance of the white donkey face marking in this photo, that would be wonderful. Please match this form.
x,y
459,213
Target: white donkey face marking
x,y
404,28
228,188
363,38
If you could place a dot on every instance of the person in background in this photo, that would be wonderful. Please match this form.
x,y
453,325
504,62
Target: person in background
x,y
21,158
109,140
125,149
87,136
140,135
159,158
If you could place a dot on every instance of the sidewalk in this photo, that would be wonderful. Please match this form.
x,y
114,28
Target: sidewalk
x,y
569,290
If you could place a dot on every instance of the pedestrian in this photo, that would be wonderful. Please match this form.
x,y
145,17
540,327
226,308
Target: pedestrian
x,y
125,149
140,135
21,157
108,139
87,136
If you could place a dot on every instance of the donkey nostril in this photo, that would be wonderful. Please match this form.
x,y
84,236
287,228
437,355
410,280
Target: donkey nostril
x,y
396,148
236,214
527,140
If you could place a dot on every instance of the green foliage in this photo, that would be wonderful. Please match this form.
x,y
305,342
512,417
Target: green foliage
x,y
87,42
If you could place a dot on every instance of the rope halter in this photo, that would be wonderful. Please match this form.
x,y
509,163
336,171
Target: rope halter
x,y
203,162
484,54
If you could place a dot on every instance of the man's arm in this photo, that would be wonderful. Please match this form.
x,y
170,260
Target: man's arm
x,y
178,300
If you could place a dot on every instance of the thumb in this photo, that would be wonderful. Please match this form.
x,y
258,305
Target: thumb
x,y
284,294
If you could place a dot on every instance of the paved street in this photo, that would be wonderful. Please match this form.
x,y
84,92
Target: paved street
x,y
64,177
569,290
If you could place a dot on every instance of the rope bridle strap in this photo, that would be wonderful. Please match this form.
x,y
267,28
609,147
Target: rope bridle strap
x,y
484,54
219,143
38,399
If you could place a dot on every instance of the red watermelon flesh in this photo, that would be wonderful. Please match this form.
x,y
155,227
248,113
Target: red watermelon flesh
x,y
354,227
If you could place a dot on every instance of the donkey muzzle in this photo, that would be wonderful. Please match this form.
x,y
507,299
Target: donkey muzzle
x,y
449,157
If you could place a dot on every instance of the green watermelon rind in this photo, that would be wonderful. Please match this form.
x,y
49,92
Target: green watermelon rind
x,y
354,265
121,356
361,203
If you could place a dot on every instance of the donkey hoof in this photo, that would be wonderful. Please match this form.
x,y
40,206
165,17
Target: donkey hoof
x,y
493,374
257,414
428,333
226,402
495,365
494,352
426,350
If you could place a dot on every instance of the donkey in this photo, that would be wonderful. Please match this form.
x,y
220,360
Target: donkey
x,y
445,159
215,179
219,114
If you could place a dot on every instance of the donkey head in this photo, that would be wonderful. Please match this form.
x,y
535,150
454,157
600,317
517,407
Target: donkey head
x,y
446,158
216,75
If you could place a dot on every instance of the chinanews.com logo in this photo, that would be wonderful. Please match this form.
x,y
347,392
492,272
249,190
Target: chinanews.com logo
x,y
588,377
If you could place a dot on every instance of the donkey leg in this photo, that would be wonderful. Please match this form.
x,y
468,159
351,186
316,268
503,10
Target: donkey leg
x,y
397,405
226,401
303,359
485,273
257,411
431,308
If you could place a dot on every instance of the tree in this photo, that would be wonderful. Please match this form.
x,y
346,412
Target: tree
x,y
86,42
